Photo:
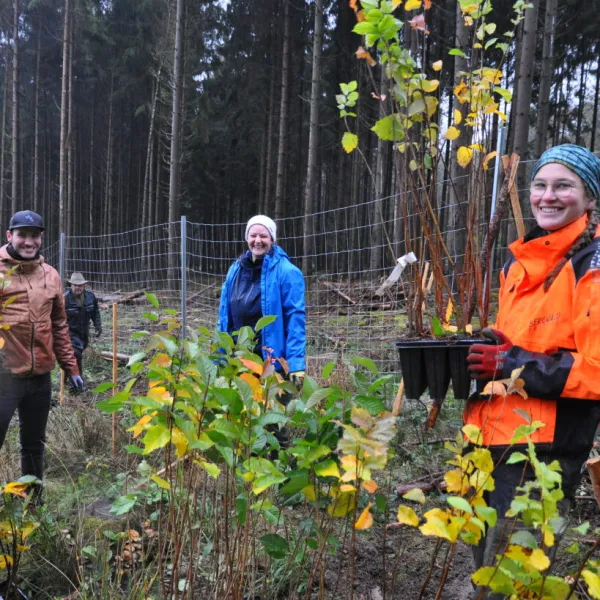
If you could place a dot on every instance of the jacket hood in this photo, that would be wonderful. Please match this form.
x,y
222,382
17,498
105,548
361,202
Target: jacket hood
x,y
23,266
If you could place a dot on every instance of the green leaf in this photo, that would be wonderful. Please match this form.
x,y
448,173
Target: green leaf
x,y
416,106
367,363
582,529
365,28
114,403
241,507
328,468
436,327
151,316
349,141
524,538
372,404
152,299
275,546
488,514
123,504
456,52
516,457
328,369
389,128
460,504
317,396
134,358
272,418
298,480
264,321
506,94
103,387
157,436
264,482
160,482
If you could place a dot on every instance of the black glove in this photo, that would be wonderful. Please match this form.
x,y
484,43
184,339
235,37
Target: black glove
x,y
77,382
98,331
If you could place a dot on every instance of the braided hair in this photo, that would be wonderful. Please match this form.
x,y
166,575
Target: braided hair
x,y
584,240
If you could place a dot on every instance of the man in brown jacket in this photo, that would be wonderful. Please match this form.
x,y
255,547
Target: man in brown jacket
x,y
32,305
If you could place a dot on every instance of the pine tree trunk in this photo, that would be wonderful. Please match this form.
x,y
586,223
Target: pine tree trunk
x,y
62,169
283,115
595,111
69,201
543,105
91,204
525,83
36,119
582,86
312,170
4,207
15,111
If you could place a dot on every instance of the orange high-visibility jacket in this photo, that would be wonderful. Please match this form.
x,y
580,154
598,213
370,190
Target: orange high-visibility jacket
x,y
556,337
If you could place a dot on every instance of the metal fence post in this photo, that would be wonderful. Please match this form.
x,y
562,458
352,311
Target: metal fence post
x,y
183,277
61,256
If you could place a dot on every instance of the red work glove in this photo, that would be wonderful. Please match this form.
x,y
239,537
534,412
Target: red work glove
x,y
486,361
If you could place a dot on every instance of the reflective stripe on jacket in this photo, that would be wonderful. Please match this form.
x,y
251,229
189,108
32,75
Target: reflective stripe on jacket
x,y
282,295
37,322
556,337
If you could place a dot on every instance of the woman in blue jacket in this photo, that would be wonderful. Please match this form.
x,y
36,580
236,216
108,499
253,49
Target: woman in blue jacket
x,y
263,281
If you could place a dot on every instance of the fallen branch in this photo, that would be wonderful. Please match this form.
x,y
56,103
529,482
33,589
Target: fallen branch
x,y
122,299
593,467
334,289
108,355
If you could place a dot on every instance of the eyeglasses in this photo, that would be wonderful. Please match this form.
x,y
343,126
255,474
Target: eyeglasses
x,y
561,190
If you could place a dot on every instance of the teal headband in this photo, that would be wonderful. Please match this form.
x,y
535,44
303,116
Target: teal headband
x,y
576,158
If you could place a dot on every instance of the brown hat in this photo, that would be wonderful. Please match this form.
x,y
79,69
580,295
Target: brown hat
x,y
77,279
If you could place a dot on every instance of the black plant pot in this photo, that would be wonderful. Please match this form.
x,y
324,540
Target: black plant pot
x,y
433,363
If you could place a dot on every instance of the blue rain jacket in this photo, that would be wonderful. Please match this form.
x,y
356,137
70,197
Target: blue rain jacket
x,y
282,295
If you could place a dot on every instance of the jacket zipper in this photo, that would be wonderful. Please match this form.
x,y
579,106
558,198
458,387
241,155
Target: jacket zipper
x,y
31,348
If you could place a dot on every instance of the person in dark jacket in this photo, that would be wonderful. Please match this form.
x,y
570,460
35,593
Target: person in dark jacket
x,y
263,281
82,307
547,322
34,310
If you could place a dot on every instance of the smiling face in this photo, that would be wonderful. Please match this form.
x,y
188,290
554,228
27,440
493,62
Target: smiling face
x,y
558,197
26,241
259,240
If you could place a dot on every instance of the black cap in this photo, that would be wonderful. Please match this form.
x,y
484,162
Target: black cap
x,y
26,218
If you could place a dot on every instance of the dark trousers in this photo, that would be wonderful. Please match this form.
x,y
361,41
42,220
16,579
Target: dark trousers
x,y
31,398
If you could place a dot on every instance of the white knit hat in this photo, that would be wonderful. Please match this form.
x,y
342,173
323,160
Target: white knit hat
x,y
266,222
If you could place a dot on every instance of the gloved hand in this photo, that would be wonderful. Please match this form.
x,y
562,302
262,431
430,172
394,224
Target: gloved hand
x,y
297,378
486,361
98,331
77,382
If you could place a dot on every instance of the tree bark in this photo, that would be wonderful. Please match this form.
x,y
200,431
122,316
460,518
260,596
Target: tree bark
x,y
62,169
524,84
283,115
581,94
543,108
4,208
312,170
595,111
15,110
36,119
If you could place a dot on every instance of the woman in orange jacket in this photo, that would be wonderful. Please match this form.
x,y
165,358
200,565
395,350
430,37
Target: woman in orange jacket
x,y
549,323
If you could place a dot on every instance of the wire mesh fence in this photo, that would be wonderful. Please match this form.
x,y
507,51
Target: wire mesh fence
x,y
185,265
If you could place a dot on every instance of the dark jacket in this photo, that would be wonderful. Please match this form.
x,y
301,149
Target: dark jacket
x,y
556,337
282,295
80,315
34,310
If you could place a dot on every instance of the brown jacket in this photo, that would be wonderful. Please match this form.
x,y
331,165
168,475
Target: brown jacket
x,y
37,322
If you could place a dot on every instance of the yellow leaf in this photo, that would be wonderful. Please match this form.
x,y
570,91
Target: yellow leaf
x,y
593,582
5,560
487,159
495,388
473,434
160,482
369,486
252,366
17,489
346,487
396,3
469,328
247,477
477,147
254,383
365,521
412,4
309,492
1,343
407,516
460,91
161,360
349,141
464,156
361,53
342,505
416,495
456,481
431,105
449,310
457,116
180,442
429,85
328,469
437,65
160,394
436,525
138,428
